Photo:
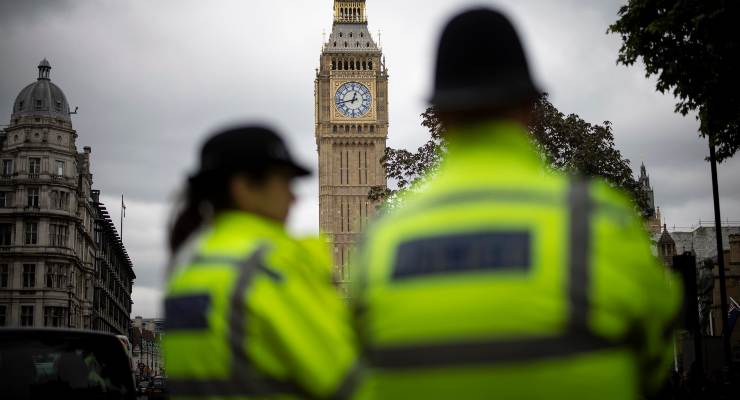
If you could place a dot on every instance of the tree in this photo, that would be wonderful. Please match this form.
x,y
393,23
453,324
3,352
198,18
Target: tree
x,y
693,48
566,143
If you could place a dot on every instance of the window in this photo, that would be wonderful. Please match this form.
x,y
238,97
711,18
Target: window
x,y
3,315
20,105
362,164
6,234
33,197
39,104
7,167
4,275
34,166
49,277
58,105
5,199
32,233
59,199
59,168
344,167
58,234
26,315
29,275
53,316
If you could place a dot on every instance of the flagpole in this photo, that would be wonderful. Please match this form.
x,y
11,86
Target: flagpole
x,y
123,207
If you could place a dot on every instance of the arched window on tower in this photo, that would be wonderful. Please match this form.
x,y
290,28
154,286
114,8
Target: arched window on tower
x,y
346,65
364,65
370,64
345,44
333,64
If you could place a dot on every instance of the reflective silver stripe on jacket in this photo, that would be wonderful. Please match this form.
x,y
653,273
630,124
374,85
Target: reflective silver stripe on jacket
x,y
245,380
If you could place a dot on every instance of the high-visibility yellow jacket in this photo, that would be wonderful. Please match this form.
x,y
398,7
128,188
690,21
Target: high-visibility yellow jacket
x,y
251,313
503,279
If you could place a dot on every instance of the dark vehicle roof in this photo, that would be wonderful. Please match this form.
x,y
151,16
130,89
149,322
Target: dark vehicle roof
x,y
69,363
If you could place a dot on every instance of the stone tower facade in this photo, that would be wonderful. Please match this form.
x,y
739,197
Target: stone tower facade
x,y
351,129
654,221
61,261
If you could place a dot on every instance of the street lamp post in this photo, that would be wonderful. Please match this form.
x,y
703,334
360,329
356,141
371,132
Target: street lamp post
x,y
726,344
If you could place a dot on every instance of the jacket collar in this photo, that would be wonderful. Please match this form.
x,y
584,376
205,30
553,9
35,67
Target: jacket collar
x,y
239,221
492,143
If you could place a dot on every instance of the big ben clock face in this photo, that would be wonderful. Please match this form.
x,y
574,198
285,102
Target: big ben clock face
x,y
353,99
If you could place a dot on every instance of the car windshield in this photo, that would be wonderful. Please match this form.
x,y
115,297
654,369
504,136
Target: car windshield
x,y
66,366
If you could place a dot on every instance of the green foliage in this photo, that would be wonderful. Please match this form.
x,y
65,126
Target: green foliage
x,y
693,47
566,143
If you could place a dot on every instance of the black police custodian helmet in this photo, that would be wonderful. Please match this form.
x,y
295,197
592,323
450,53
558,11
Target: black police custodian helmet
x,y
481,64
247,149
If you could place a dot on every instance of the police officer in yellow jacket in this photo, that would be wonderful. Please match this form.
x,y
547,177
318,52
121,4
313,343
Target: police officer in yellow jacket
x,y
250,312
501,278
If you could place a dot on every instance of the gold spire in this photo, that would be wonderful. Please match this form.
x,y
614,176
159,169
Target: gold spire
x,y
349,12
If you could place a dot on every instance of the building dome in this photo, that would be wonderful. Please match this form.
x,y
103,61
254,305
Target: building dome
x,y
42,98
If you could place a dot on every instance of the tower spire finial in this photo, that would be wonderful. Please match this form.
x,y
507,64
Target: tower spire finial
x,y
44,69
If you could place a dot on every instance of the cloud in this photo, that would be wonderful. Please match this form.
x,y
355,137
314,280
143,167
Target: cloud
x,y
18,12
147,302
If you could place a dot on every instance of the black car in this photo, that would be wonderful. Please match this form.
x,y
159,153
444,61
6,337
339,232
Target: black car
x,y
158,388
63,363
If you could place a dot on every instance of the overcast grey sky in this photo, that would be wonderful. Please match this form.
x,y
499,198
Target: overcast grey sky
x,y
152,78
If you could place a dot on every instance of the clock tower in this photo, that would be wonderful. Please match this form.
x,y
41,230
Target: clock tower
x,y
351,130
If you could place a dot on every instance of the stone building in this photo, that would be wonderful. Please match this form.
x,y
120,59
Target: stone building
x,y
114,275
654,221
50,244
702,243
351,90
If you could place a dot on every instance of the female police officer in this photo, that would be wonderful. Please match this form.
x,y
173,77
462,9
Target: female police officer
x,y
250,311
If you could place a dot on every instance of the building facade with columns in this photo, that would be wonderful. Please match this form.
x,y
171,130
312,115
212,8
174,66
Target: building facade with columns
x,y
351,109
50,220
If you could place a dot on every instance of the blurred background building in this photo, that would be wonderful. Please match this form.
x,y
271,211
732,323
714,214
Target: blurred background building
x,y
146,336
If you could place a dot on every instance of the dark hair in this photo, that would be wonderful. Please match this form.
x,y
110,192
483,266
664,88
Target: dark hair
x,y
204,194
